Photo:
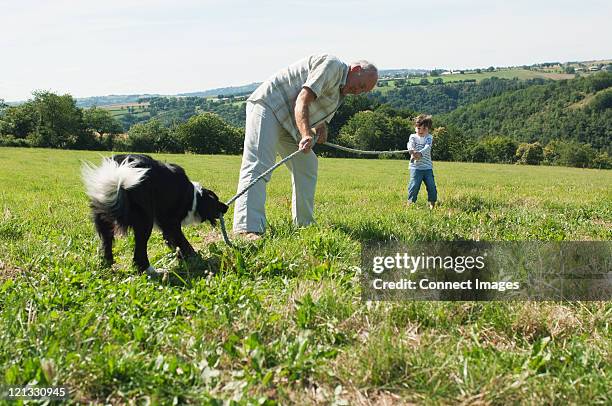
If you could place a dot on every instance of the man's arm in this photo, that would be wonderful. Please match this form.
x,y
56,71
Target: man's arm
x,y
305,97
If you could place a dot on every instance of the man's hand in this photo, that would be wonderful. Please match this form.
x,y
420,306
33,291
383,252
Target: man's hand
x,y
417,155
321,132
305,144
305,97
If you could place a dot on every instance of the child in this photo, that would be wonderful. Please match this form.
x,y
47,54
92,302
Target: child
x,y
421,169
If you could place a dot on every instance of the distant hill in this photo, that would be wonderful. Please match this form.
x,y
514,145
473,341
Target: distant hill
x,y
578,109
445,97
135,98
396,73
111,99
554,70
224,91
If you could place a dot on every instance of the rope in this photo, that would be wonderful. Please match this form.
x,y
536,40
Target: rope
x,y
282,161
360,151
243,191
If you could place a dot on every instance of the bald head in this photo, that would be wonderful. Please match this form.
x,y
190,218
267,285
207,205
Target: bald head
x,y
362,77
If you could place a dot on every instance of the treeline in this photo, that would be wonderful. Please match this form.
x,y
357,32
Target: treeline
x,y
451,145
386,128
53,121
361,122
173,110
170,110
443,98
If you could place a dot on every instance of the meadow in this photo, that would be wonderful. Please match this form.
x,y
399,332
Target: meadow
x,y
119,110
280,320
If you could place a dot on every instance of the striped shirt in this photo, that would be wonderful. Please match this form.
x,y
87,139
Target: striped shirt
x,y
323,74
422,145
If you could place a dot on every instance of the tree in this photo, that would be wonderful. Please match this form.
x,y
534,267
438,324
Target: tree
x,y
152,136
374,130
390,111
499,149
530,154
448,145
438,81
207,133
479,153
19,121
570,153
602,161
602,101
102,122
352,104
60,122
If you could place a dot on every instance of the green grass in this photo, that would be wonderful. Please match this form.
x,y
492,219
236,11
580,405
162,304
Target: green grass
x,y
282,320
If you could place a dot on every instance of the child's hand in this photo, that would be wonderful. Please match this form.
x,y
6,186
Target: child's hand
x,y
417,155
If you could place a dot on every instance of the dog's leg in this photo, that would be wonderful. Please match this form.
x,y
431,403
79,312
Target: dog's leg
x,y
142,226
175,238
106,231
169,236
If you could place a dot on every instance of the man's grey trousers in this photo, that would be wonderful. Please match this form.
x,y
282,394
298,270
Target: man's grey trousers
x,y
264,138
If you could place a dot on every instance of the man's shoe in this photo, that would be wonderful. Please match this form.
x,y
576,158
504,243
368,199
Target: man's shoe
x,y
249,236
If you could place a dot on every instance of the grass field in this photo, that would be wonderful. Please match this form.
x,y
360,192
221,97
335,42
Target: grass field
x,y
282,320
120,110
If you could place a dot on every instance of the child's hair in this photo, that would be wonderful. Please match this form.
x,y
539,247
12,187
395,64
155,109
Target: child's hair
x,y
423,119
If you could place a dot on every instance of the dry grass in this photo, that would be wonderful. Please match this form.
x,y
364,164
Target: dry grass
x,y
8,271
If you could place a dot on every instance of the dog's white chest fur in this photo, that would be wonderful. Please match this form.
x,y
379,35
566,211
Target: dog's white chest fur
x,y
192,216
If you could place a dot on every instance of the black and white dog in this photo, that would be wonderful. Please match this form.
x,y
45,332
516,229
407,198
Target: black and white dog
x,y
138,192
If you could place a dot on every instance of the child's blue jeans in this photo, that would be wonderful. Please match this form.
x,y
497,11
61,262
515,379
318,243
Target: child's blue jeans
x,y
422,175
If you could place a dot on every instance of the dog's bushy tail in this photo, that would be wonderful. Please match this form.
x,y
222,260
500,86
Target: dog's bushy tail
x,y
106,186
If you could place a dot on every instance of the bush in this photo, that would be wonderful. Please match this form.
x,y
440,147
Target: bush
x,y
207,133
495,149
602,161
479,153
530,154
570,153
12,141
449,145
150,136
375,130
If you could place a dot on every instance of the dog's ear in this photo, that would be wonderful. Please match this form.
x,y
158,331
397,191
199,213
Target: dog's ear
x,y
210,208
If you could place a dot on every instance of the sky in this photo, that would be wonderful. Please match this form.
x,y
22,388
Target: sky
x,y
96,48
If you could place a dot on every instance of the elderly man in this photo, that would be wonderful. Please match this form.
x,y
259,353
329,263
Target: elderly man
x,y
280,117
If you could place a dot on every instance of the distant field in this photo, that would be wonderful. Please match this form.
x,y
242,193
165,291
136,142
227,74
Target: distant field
x,y
522,74
119,110
282,320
